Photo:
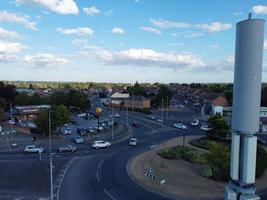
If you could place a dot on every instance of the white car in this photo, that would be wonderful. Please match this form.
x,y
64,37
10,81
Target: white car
x,y
181,106
11,122
68,131
195,122
133,141
81,115
100,144
180,126
33,149
117,115
205,128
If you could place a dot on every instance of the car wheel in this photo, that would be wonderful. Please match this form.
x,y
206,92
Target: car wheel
x,y
108,146
97,147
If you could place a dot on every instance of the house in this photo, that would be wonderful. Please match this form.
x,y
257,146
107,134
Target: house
x,y
28,112
198,96
117,98
137,102
216,101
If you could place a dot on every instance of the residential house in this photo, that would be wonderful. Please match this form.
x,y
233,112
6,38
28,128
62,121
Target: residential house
x,y
137,102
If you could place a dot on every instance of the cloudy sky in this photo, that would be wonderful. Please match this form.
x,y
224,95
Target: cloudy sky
x,y
122,40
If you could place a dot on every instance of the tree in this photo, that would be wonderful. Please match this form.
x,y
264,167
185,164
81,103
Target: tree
x,y
35,99
164,94
31,87
8,92
59,116
58,98
219,128
22,99
77,100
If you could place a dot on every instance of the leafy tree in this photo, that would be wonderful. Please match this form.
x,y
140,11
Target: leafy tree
x,y
58,98
76,99
219,160
7,92
219,128
229,96
22,99
35,99
59,116
31,86
164,94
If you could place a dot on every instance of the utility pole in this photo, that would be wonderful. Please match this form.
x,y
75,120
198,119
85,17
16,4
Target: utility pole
x,y
50,157
167,106
112,131
11,124
162,112
126,115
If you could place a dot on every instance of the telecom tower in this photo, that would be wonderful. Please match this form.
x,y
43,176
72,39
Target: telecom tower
x,y
246,109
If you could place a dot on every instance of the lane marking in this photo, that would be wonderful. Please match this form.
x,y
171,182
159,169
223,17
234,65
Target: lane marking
x,y
110,196
100,164
69,164
97,176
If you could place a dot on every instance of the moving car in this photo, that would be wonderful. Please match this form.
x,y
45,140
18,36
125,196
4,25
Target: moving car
x,y
205,128
135,124
78,140
150,117
100,144
195,122
133,141
181,106
67,148
33,149
180,126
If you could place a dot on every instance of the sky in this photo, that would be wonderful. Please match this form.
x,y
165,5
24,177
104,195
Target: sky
x,y
151,41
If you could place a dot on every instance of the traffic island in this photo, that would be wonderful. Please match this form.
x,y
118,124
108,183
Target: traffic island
x,y
178,178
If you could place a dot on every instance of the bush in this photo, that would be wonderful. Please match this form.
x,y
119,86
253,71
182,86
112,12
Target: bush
x,y
194,156
200,143
206,172
171,153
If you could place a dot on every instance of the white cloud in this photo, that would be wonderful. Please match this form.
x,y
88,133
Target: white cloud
x,y
9,51
5,34
8,57
265,45
213,46
168,24
11,47
143,58
59,6
78,42
76,31
150,29
91,11
17,19
192,34
45,60
260,9
214,27
118,30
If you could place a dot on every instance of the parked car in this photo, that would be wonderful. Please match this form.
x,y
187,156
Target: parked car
x,y
11,122
75,122
68,131
81,131
81,115
261,141
150,117
117,115
205,128
180,126
78,140
135,124
185,101
100,144
33,149
195,122
67,148
133,141
181,106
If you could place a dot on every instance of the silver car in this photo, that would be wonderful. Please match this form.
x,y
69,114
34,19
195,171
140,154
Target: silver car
x,y
33,149
133,141
67,148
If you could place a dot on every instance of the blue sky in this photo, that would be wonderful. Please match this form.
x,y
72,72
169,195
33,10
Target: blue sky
x,y
122,40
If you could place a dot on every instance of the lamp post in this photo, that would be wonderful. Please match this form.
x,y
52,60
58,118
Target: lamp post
x,y
50,156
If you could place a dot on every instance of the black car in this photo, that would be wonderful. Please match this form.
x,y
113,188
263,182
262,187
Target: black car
x,y
81,131
135,124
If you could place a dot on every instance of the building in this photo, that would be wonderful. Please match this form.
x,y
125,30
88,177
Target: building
x,y
118,99
137,102
28,112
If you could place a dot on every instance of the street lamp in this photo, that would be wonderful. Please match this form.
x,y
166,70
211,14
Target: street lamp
x,y
50,156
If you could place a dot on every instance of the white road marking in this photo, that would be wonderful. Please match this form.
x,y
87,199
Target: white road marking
x,y
97,176
110,196
69,164
100,164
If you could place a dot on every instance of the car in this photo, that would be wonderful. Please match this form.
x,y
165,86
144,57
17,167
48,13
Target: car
x,y
181,106
133,141
68,131
81,115
100,128
117,115
33,149
194,123
261,141
75,122
78,140
100,144
185,101
67,148
11,122
81,131
135,124
150,117
91,129
205,128
180,126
